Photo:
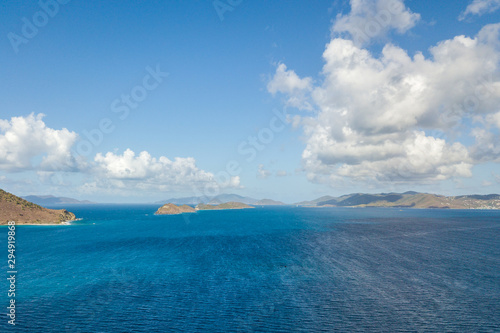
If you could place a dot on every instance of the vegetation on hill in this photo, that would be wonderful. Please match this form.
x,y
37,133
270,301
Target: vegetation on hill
x,y
13,208
409,200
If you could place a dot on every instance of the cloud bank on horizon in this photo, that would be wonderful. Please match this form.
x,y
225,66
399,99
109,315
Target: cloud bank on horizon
x,y
397,117
27,144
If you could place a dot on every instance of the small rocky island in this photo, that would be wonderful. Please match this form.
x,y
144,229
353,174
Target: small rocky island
x,y
13,208
171,209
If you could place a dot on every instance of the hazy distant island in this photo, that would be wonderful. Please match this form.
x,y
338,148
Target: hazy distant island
x,y
268,202
216,200
226,205
13,208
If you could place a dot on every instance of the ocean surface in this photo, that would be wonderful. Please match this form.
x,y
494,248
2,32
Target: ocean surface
x,y
274,269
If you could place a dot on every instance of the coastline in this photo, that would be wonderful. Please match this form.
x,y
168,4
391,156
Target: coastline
x,y
67,222
434,208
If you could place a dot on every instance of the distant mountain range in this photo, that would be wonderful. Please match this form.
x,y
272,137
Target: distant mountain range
x,y
408,200
220,199
52,200
217,200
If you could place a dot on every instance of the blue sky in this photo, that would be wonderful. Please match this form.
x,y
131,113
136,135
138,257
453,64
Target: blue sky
x,y
371,120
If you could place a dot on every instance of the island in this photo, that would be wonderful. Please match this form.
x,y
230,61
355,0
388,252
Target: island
x,y
172,209
13,208
408,199
223,206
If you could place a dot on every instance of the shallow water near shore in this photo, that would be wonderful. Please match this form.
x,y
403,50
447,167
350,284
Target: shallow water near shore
x,y
274,269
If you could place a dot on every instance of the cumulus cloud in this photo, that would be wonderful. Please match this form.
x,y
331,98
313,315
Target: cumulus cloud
x,y
490,34
395,91
288,82
142,171
262,173
494,119
26,143
480,7
486,147
371,19
420,158
386,118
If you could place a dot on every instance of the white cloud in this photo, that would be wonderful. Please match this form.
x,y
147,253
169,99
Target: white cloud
x,y
263,173
480,7
494,119
487,145
288,82
281,173
144,172
490,34
371,19
420,158
26,143
396,92
376,113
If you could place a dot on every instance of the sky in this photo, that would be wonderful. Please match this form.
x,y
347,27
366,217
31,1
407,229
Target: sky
x,y
140,101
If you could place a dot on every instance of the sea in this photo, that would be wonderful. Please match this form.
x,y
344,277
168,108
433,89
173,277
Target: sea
x,y
269,269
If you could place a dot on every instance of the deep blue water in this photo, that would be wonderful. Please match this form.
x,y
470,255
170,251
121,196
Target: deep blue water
x,y
279,269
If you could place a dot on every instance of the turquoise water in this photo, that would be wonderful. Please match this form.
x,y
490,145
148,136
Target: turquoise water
x,y
277,269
